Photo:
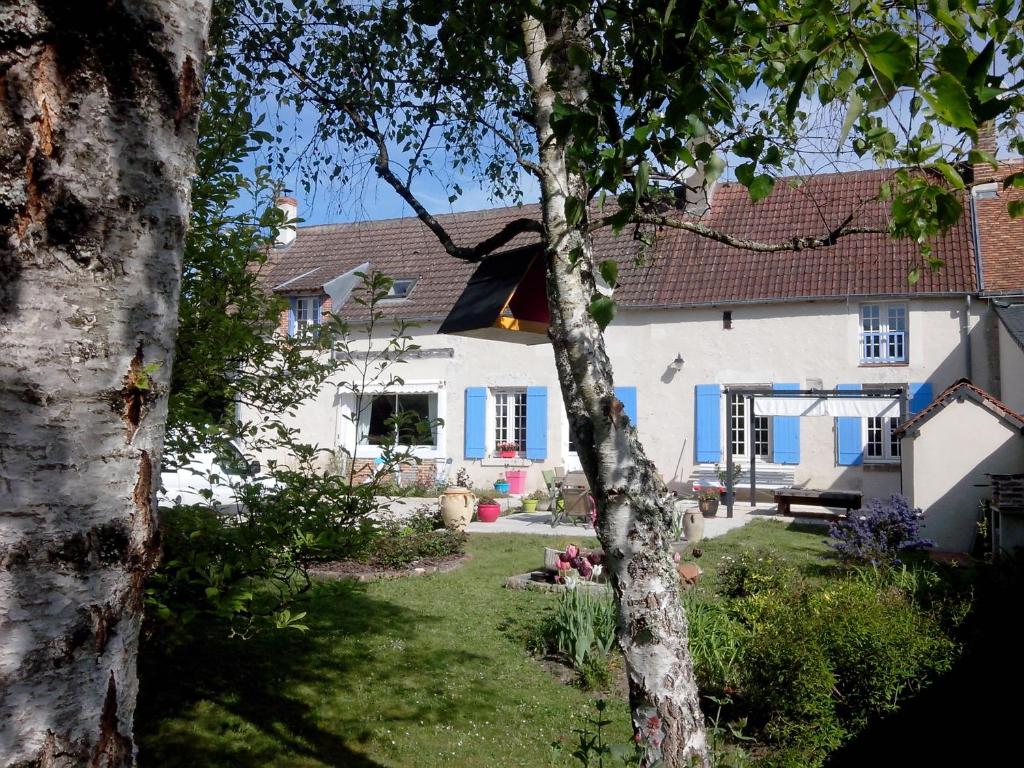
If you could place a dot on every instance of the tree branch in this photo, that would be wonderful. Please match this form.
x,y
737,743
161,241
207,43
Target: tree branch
x,y
793,244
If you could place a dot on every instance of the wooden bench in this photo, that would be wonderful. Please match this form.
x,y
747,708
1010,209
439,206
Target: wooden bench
x,y
848,500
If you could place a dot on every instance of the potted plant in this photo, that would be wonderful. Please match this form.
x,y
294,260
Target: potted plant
x,y
708,499
501,485
487,507
723,481
532,502
508,450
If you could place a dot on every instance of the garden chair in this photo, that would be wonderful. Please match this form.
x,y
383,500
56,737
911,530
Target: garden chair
x,y
575,502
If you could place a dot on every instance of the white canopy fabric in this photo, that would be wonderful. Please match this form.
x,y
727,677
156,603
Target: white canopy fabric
x,y
827,406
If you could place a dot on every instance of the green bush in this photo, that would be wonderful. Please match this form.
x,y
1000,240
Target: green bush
x,y
715,640
399,551
749,573
819,664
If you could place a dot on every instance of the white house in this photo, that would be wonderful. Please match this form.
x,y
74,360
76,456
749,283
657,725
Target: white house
x,y
696,320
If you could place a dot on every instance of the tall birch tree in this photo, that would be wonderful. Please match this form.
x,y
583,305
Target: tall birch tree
x,y
622,110
98,108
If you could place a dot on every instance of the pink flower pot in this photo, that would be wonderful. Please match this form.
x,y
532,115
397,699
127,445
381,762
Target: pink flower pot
x,y
488,513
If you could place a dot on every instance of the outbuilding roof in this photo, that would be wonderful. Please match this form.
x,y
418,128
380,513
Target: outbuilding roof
x,y
681,269
963,390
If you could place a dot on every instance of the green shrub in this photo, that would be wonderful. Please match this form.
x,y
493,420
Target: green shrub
x,y
399,551
818,665
715,640
750,573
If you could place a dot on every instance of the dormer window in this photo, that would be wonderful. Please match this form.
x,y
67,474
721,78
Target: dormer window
x,y
400,289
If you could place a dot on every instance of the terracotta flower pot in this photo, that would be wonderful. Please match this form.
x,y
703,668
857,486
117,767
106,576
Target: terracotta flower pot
x,y
488,513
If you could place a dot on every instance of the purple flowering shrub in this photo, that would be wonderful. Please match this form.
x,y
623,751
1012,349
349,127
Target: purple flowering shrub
x,y
879,532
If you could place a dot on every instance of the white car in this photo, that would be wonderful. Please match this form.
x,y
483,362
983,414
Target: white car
x,y
209,478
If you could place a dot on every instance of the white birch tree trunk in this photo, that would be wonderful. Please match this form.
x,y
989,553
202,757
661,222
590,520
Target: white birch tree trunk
x,y
98,108
633,505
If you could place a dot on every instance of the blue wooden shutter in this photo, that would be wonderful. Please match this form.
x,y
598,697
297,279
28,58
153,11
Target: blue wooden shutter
x,y
627,396
786,433
849,437
708,445
476,422
920,396
292,312
537,423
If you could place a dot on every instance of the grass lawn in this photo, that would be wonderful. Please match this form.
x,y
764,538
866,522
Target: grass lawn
x,y
425,671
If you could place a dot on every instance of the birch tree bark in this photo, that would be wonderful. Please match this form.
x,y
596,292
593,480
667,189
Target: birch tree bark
x,y
98,108
631,497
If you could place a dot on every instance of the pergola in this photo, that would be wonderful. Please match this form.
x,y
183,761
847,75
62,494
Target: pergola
x,y
833,403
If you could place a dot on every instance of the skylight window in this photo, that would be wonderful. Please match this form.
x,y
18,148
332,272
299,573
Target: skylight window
x,y
400,289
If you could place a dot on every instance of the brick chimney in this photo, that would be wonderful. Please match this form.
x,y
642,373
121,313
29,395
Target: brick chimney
x,y
289,206
986,142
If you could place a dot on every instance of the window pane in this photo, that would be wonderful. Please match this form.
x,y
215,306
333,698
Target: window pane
x,y
510,418
413,420
382,408
894,443
874,441
737,425
897,318
762,438
871,318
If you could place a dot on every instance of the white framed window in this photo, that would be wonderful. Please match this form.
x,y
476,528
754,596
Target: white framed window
x,y
880,441
883,333
401,288
305,314
509,418
748,434
406,418
362,421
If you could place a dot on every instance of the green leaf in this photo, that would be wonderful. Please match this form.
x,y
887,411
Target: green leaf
x,y
609,269
950,174
1015,208
914,276
643,174
889,54
573,210
745,174
853,111
713,168
798,87
761,187
948,99
602,309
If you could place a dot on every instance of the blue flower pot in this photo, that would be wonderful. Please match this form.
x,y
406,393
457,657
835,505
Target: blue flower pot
x,y
501,486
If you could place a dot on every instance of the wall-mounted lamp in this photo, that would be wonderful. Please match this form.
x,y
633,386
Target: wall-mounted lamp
x,y
677,364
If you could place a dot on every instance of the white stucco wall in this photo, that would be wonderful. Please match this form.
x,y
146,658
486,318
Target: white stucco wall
x,y
949,458
1011,370
811,344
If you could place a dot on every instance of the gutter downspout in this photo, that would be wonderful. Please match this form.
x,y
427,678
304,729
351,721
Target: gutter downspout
x,y
968,367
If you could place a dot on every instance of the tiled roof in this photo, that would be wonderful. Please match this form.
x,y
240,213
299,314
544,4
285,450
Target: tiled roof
x,y
1012,317
1001,238
686,269
957,391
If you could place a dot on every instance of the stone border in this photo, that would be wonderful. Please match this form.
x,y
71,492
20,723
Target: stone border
x,y
366,577
525,581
